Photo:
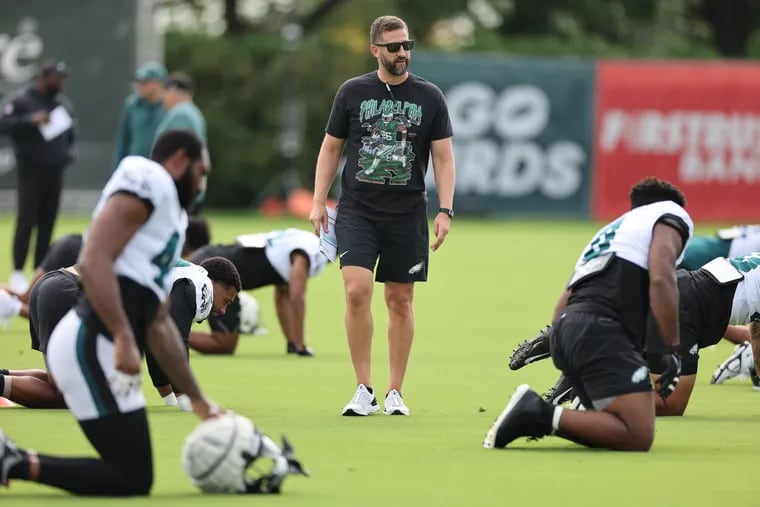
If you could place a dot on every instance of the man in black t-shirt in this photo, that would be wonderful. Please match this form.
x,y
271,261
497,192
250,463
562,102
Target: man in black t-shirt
x,y
390,122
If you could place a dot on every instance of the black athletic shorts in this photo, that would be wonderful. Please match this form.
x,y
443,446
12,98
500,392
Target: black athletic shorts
x,y
54,294
598,356
252,264
704,309
688,348
401,245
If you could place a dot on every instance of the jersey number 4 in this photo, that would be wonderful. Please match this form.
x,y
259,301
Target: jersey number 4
x,y
164,261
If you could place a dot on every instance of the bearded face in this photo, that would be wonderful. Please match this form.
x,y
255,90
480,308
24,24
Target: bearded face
x,y
187,190
395,63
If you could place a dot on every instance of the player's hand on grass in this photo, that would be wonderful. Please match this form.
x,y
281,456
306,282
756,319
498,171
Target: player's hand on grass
x,y
671,372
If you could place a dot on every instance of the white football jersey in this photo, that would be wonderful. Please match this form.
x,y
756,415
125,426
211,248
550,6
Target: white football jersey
x,y
747,296
629,236
151,253
204,287
748,240
278,245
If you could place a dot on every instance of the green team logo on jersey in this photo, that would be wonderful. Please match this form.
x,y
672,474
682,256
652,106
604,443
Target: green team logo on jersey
x,y
602,240
746,263
386,154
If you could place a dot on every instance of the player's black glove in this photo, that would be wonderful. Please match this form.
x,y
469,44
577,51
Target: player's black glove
x,y
671,372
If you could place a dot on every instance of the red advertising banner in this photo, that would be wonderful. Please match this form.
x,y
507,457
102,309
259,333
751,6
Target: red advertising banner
x,y
694,124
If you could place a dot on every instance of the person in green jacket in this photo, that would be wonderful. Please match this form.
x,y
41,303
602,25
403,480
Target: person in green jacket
x,y
181,112
142,112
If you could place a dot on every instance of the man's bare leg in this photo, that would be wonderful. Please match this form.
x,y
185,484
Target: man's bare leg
x,y
399,298
676,403
358,284
626,424
32,392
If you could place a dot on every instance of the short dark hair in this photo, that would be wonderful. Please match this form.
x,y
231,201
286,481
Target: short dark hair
x,y
651,189
180,81
385,24
197,233
171,141
223,271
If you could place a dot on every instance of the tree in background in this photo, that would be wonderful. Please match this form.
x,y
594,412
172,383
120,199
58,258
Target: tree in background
x,y
235,52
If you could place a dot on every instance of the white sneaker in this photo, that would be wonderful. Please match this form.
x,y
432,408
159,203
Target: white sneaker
x,y
363,403
184,403
10,305
18,282
738,364
394,404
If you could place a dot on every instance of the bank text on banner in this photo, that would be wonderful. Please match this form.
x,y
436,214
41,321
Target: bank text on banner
x,y
695,124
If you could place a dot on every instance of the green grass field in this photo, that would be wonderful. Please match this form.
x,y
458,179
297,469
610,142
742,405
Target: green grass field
x,y
492,284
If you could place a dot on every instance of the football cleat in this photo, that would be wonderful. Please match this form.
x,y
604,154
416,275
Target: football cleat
x,y
561,392
755,378
10,455
738,365
306,351
530,351
526,415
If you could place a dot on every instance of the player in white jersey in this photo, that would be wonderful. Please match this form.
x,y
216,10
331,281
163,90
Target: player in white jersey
x,y
721,295
598,331
729,242
95,351
197,292
285,259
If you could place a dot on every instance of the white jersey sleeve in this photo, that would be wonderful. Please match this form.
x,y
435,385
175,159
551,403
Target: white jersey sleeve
x,y
630,236
151,253
280,244
204,287
746,241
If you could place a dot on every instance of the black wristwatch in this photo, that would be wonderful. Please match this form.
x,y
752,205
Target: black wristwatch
x,y
448,211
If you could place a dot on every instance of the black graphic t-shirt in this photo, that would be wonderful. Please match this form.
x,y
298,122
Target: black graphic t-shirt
x,y
388,129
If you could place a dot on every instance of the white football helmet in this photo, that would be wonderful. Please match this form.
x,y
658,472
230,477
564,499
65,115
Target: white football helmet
x,y
249,313
218,452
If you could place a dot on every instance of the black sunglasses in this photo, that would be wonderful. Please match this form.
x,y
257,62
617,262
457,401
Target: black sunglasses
x,y
394,47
